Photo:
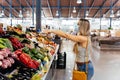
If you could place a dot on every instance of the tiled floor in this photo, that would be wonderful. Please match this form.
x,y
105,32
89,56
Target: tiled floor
x,y
106,64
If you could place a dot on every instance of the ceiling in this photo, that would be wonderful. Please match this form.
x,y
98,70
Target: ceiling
x,y
96,8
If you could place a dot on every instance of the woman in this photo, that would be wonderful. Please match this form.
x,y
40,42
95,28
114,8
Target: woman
x,y
82,44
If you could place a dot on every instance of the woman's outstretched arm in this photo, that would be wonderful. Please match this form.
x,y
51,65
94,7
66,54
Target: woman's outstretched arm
x,y
75,38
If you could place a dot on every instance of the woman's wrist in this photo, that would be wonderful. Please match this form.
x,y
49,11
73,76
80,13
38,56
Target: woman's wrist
x,y
51,31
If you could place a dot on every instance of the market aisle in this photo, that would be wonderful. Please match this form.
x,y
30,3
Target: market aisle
x,y
66,74
106,64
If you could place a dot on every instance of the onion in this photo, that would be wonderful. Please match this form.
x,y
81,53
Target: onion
x,y
0,63
11,60
1,57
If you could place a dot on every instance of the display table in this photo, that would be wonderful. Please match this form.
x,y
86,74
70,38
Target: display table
x,y
52,66
106,43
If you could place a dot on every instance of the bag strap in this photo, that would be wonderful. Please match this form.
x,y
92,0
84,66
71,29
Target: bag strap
x,y
86,55
74,63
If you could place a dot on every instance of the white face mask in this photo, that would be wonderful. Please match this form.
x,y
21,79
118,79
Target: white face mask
x,y
77,30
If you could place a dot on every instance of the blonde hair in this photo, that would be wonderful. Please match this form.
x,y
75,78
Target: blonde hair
x,y
84,30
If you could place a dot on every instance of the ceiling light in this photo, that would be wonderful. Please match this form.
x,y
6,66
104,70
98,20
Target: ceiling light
x,y
2,13
112,13
87,13
28,13
20,14
10,16
79,1
71,16
57,13
42,14
104,15
86,17
74,10
118,13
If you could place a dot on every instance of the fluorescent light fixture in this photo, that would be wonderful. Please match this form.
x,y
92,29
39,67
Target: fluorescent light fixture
x,y
74,10
79,1
87,13
20,14
118,13
57,13
112,14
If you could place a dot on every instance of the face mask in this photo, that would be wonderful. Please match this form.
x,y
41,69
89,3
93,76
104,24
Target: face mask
x,y
77,29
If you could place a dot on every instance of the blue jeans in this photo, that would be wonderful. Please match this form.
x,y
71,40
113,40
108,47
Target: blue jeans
x,y
90,69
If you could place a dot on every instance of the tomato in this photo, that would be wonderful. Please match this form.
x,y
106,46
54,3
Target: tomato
x,y
52,51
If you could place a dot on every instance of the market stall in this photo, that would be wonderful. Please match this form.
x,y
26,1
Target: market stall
x,y
107,42
25,55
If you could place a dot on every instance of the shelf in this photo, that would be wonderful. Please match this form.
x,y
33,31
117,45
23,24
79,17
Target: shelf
x,y
50,63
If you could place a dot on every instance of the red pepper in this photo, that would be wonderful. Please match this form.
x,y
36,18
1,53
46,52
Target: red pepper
x,y
25,58
36,63
31,64
18,52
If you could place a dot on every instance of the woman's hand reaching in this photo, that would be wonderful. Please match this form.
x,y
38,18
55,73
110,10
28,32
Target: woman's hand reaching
x,y
47,31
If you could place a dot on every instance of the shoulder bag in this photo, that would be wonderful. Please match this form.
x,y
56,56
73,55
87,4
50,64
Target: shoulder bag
x,y
80,75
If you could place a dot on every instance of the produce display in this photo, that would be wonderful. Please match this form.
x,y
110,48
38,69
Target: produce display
x,y
16,43
24,56
16,30
2,33
21,73
6,58
17,72
26,59
45,40
35,53
5,43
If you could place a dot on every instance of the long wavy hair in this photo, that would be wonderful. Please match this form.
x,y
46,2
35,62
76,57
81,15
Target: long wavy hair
x,y
84,30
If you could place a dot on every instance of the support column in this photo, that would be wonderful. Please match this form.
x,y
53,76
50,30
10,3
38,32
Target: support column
x,y
32,12
110,22
10,12
85,4
38,16
100,18
59,11
22,14
110,14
